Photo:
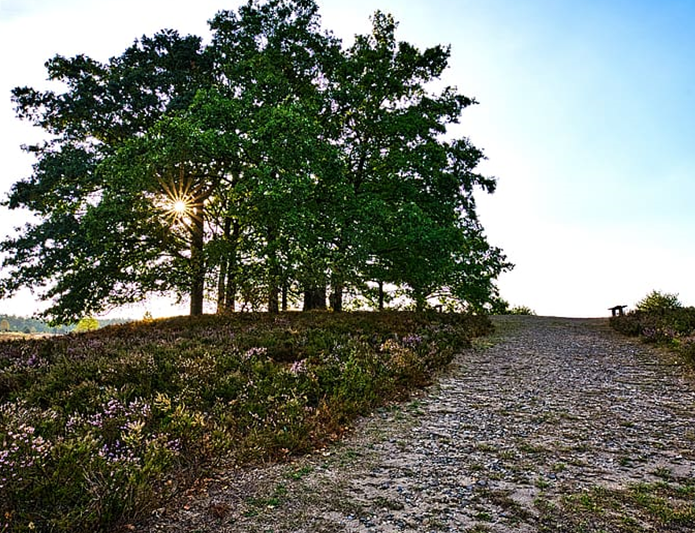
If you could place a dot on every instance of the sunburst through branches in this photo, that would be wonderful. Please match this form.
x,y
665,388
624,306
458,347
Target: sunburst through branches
x,y
179,201
179,207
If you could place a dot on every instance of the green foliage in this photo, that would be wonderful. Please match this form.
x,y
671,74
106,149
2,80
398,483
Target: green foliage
x,y
521,310
417,226
18,323
503,308
100,428
661,319
98,237
87,323
657,301
299,165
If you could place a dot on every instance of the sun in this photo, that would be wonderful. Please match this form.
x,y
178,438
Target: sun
x,y
178,200
179,207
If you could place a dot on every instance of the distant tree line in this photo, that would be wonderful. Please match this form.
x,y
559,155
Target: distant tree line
x,y
271,167
20,324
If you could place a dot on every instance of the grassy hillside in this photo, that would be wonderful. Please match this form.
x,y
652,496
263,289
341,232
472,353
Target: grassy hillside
x,y
99,428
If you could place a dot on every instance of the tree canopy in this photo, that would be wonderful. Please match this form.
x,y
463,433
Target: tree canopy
x,y
270,166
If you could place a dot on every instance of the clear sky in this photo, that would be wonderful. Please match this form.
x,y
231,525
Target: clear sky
x,y
586,113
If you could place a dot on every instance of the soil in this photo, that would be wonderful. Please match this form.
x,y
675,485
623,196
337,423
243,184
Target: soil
x,y
543,411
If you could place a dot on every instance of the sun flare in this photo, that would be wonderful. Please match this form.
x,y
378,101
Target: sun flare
x,y
180,207
178,200
176,209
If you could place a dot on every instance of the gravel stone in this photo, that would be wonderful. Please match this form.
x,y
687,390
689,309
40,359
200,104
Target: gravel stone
x,y
546,407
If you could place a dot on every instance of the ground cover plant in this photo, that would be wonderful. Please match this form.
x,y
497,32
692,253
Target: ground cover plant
x,y
660,318
98,428
666,505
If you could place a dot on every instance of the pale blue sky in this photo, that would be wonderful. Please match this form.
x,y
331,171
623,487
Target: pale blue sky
x,y
587,114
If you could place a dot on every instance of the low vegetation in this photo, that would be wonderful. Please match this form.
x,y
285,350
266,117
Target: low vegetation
x,y
98,428
661,506
521,310
660,318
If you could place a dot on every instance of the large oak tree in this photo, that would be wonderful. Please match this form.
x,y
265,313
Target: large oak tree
x,y
270,165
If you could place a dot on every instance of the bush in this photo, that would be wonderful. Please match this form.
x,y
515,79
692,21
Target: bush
x,y
503,308
661,319
658,302
686,347
630,324
100,427
522,310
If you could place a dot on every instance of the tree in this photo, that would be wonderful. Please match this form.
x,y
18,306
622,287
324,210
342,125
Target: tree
x,y
4,325
87,323
102,239
271,165
409,216
273,58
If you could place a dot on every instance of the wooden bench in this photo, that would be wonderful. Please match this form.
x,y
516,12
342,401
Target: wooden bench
x,y
618,310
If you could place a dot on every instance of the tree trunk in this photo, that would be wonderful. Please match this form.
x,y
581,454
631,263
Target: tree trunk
x,y
337,298
381,296
230,296
284,296
314,298
420,302
222,287
273,272
224,266
230,289
273,289
197,261
273,296
226,285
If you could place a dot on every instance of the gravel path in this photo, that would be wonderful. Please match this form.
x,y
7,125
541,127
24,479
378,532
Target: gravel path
x,y
546,409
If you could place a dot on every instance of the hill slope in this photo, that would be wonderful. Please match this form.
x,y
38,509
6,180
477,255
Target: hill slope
x,y
556,425
101,427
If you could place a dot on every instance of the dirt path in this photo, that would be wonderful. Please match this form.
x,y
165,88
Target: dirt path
x,y
552,425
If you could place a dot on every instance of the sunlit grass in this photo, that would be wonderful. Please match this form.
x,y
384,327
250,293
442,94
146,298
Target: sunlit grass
x,y
661,506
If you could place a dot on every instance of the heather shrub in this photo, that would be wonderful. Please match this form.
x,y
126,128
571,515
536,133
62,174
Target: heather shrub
x,y
98,428
661,319
686,346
